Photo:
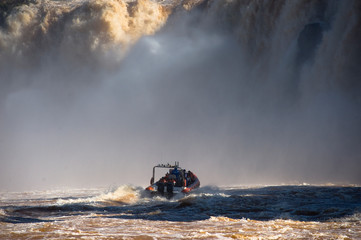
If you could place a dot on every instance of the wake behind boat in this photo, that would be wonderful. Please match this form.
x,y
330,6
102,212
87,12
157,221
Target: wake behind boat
x,y
176,180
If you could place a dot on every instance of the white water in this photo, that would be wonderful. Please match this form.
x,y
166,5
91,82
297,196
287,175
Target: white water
x,y
282,212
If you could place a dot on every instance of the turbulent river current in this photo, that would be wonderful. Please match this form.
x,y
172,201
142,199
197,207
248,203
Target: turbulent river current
x,y
260,93
268,212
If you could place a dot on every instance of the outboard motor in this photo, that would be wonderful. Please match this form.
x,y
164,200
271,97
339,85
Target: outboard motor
x,y
170,188
160,187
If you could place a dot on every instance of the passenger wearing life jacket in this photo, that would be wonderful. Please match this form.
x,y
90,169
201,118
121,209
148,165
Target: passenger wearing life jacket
x,y
184,176
191,178
175,172
177,180
164,179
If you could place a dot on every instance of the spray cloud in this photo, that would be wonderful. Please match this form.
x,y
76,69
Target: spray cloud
x,y
97,92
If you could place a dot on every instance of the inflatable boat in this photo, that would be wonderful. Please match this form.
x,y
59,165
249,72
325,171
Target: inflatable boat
x,y
176,180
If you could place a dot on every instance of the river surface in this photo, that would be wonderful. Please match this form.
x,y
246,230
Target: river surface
x,y
126,212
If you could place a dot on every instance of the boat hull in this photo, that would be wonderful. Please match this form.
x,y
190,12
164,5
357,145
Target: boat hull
x,y
168,190
176,181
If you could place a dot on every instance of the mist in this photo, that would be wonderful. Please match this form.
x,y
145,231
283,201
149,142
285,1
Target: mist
x,y
96,93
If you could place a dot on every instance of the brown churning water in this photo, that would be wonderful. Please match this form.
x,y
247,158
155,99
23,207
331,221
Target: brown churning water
x,y
282,212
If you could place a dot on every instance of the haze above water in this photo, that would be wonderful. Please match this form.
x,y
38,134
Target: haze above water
x,y
95,93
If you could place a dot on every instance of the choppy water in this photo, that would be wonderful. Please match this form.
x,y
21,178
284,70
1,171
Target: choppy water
x,y
126,212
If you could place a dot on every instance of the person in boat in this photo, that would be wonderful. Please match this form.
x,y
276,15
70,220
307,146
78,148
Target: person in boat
x,y
164,179
174,176
190,178
184,182
181,180
175,172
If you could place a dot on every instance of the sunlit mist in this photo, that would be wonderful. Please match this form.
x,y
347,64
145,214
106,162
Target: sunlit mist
x,y
95,93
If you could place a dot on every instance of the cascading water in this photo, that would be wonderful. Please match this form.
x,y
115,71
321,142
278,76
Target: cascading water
x,y
245,87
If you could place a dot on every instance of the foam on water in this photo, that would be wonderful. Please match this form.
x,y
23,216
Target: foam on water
x,y
312,212
125,194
